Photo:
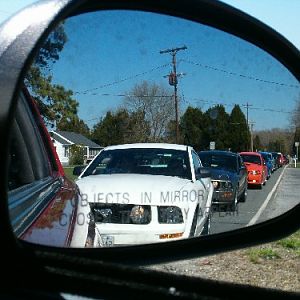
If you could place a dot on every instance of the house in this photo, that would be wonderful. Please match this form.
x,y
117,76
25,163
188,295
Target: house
x,y
63,140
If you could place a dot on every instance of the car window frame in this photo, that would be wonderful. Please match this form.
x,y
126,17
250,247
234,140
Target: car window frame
x,y
27,201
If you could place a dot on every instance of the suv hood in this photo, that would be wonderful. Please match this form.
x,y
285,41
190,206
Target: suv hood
x,y
220,174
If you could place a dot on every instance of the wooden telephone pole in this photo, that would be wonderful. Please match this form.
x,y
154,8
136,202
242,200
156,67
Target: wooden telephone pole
x,y
173,81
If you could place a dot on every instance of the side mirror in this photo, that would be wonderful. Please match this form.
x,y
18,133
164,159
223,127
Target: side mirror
x,y
78,170
203,173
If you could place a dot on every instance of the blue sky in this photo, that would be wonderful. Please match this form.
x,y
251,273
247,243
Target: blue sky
x,y
109,59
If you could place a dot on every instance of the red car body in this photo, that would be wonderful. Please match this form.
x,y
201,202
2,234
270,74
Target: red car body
x,y
49,212
256,168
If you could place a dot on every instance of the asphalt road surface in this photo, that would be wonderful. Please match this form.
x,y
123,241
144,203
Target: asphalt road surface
x,y
248,212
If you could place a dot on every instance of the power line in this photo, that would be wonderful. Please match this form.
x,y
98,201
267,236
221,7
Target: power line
x,y
121,80
130,96
240,75
85,92
189,100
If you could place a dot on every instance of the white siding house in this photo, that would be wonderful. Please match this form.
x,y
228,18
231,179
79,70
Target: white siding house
x,y
63,140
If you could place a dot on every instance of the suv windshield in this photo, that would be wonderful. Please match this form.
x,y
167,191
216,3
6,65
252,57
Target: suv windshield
x,y
219,161
166,162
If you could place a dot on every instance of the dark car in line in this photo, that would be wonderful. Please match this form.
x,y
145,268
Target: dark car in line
x,y
267,156
228,176
278,159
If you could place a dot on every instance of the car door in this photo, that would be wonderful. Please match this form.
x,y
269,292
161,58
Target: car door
x,y
42,202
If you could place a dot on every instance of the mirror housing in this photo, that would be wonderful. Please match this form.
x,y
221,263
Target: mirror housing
x,y
203,173
18,50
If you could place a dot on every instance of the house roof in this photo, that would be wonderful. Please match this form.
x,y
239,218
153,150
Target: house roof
x,y
69,138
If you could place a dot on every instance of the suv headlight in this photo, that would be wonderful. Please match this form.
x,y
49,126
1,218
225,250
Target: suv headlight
x,y
169,215
222,184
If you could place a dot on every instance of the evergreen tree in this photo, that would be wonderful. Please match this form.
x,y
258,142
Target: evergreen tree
x,y
74,124
121,127
55,102
217,128
192,128
257,144
239,137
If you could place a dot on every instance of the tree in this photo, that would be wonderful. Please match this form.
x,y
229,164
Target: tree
x,y
276,139
76,154
54,101
296,124
256,143
74,124
239,137
296,139
192,127
296,114
217,127
49,52
121,127
155,102
277,145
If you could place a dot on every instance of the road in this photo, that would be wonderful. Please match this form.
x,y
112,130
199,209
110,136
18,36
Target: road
x,y
246,212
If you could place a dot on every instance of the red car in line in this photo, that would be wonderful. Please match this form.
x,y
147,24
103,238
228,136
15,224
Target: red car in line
x,y
256,168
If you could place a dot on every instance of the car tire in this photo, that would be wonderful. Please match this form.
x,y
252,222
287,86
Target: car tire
x,y
244,195
233,205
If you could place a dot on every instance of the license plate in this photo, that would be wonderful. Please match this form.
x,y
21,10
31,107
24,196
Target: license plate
x,y
107,240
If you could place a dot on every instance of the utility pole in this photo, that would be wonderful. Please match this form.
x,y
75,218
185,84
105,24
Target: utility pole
x,y
247,105
251,135
173,80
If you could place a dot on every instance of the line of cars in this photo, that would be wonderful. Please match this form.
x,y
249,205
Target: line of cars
x,y
232,173
129,194
154,192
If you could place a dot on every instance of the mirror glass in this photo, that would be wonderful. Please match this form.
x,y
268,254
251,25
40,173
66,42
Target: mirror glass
x,y
201,130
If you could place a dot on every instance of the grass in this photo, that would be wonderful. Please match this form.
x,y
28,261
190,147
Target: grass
x,y
256,254
291,243
69,173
